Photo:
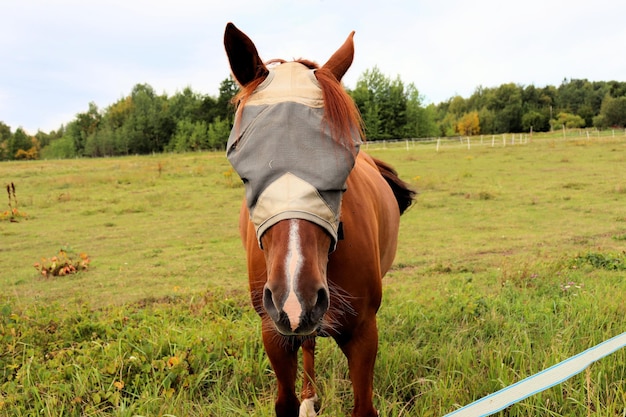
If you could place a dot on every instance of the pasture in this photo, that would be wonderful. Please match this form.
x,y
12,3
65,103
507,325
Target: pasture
x,y
512,259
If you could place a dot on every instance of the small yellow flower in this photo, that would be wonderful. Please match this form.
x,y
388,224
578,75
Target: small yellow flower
x,y
173,361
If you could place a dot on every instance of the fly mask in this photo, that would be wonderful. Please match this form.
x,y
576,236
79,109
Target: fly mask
x,y
284,152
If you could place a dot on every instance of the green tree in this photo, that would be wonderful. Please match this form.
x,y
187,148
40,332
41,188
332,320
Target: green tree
x,y
581,97
189,136
218,133
390,109
367,97
568,120
506,102
393,109
535,121
487,120
612,113
115,132
458,106
19,141
223,106
189,105
536,105
616,89
420,121
5,136
447,125
61,148
479,98
147,126
104,142
84,125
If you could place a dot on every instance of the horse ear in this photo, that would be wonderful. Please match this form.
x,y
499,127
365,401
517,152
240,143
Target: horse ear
x,y
341,60
244,59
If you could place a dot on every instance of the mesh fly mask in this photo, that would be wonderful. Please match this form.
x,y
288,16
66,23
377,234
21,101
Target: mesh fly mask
x,y
284,153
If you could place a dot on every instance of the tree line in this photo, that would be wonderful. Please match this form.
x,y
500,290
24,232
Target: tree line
x,y
146,122
142,122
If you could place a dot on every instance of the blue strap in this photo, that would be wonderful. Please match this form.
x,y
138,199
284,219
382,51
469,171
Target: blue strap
x,y
541,381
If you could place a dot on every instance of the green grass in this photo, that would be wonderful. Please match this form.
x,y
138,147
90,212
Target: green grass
x,y
511,260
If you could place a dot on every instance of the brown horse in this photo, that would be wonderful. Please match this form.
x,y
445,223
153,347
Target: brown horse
x,y
316,254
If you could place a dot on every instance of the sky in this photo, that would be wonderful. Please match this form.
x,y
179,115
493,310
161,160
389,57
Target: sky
x,y
57,56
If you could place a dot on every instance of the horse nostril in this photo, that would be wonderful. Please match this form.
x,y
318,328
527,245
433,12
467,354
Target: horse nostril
x,y
268,303
322,303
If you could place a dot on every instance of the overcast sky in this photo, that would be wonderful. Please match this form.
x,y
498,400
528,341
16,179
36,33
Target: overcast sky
x,y
56,56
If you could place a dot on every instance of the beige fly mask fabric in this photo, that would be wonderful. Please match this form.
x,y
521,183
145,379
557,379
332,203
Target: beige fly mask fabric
x,y
284,153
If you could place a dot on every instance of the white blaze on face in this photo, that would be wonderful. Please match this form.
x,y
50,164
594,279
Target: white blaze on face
x,y
293,264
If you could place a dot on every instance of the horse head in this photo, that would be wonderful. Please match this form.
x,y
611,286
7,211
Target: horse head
x,y
294,143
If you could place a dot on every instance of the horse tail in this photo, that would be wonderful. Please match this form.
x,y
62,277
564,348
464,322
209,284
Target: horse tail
x,y
404,194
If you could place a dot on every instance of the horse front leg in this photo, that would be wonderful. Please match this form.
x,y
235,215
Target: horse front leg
x,y
309,396
283,356
361,350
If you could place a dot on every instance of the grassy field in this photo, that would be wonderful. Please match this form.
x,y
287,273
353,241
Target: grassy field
x,y
512,259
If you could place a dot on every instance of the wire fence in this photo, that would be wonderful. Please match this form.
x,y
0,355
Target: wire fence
x,y
499,140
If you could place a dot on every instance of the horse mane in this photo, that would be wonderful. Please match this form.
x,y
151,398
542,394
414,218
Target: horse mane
x,y
401,190
340,112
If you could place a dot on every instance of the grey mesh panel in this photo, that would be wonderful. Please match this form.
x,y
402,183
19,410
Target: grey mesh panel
x,y
272,140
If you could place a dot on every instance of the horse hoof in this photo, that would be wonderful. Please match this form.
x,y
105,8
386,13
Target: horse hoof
x,y
307,407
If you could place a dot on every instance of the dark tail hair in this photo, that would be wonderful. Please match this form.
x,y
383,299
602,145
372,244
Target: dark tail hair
x,y
405,195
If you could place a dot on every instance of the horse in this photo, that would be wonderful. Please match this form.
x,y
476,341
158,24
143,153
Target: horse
x,y
319,221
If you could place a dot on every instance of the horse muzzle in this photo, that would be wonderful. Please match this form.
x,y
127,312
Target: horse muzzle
x,y
295,315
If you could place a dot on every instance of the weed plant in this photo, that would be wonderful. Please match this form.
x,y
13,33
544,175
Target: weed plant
x,y
13,214
64,263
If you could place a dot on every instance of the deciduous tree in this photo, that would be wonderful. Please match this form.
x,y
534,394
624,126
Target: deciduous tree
x,y
469,124
612,112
